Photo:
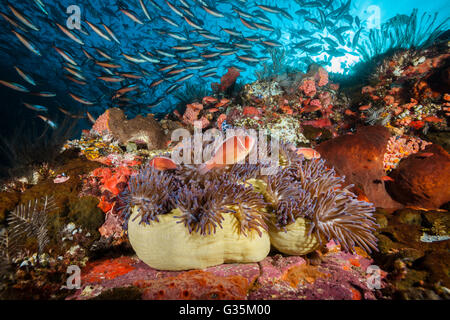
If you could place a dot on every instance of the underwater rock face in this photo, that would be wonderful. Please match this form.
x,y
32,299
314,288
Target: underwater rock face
x,y
359,157
198,285
418,269
168,245
139,129
339,276
422,179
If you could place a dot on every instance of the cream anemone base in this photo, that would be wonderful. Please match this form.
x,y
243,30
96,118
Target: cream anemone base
x,y
168,245
294,240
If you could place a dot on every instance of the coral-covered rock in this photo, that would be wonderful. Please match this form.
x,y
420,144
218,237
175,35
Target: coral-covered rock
x,y
192,112
308,87
400,147
113,180
274,268
140,129
107,269
101,124
422,179
197,285
340,276
220,120
321,77
413,248
359,157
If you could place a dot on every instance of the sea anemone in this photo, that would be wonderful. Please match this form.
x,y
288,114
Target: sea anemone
x,y
340,217
151,191
336,213
303,193
287,200
248,207
203,206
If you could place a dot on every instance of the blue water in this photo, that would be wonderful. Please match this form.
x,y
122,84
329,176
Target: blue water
x,y
47,69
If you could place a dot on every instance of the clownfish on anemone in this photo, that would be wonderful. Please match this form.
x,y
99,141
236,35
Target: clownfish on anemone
x,y
163,163
232,150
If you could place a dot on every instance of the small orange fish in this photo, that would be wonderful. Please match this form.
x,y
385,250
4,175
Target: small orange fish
x,y
349,112
365,107
432,119
212,110
425,154
311,108
232,150
387,178
308,153
163,163
209,100
222,103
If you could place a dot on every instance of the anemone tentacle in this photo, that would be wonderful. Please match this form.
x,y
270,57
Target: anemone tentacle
x,y
151,191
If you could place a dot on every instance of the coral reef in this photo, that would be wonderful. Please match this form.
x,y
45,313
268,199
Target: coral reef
x,y
135,221
408,92
400,147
